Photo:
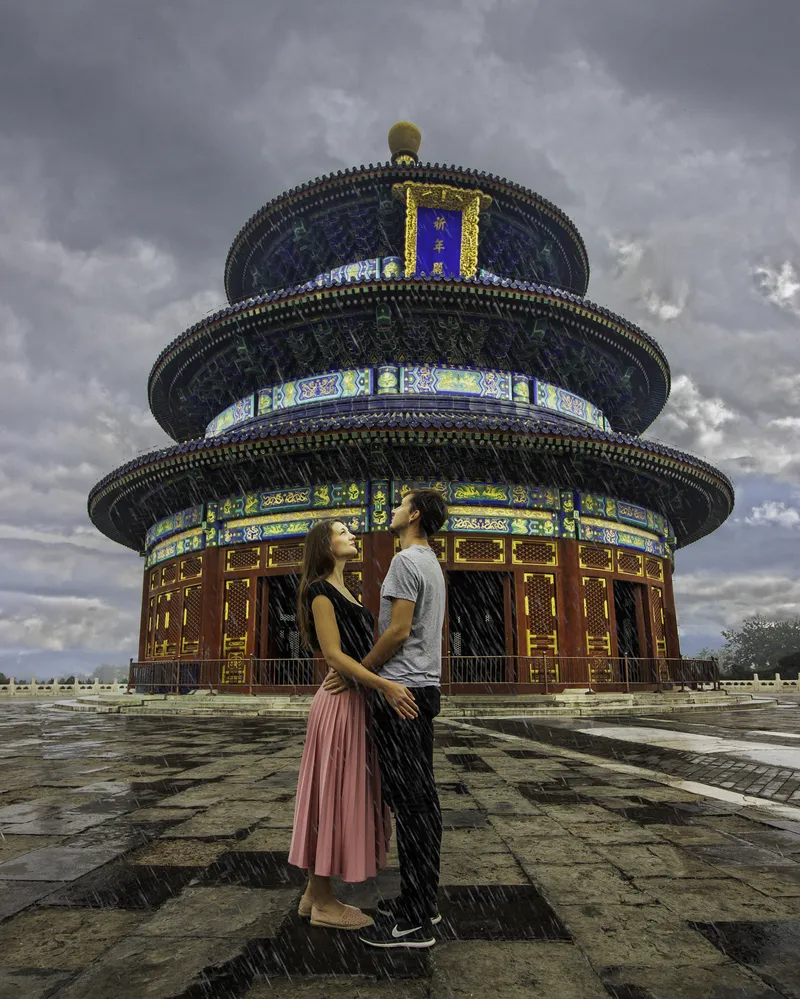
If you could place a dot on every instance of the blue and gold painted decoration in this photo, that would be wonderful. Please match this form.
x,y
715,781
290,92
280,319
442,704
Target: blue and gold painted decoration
x,y
408,379
441,228
240,412
317,497
284,525
567,403
180,544
391,268
520,389
171,525
374,269
380,506
497,520
388,379
568,527
482,493
443,379
604,532
479,507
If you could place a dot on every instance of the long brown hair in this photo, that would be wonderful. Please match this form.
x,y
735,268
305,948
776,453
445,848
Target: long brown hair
x,y
318,562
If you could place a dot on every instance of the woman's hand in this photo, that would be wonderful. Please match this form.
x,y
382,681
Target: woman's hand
x,y
335,683
400,698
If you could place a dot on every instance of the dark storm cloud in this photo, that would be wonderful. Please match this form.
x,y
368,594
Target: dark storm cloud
x,y
136,139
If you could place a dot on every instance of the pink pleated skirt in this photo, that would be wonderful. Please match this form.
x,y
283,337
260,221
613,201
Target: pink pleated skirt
x,y
341,825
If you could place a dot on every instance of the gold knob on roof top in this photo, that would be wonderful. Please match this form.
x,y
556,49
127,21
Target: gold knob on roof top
x,y
404,142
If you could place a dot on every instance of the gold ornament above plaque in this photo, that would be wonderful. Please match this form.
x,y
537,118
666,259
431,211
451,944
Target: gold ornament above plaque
x,y
441,228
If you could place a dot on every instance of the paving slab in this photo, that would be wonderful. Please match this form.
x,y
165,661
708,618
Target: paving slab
x,y
707,899
48,938
656,860
516,970
12,846
18,895
728,981
584,883
56,863
227,911
642,935
179,853
28,983
769,949
149,968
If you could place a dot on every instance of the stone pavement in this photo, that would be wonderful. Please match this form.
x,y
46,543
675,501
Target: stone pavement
x,y
145,858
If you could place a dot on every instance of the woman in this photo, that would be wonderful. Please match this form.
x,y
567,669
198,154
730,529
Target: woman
x,y
341,825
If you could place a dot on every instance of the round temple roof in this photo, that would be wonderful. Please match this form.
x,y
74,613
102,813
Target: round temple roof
x,y
695,497
535,329
352,215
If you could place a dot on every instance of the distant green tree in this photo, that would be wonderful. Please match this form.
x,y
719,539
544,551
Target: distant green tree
x,y
4,680
758,645
108,673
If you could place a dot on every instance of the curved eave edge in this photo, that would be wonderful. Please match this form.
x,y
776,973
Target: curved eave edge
x,y
446,173
643,455
510,290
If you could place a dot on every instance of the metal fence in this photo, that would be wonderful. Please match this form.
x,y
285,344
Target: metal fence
x,y
527,674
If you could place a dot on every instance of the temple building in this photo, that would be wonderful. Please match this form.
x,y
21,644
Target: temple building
x,y
398,325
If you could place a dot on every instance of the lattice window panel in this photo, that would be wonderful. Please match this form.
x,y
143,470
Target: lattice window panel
x,y
242,558
659,626
534,553
354,583
484,550
169,574
439,546
595,615
595,558
541,620
190,632
654,568
155,579
151,627
236,616
191,567
629,563
168,624
285,554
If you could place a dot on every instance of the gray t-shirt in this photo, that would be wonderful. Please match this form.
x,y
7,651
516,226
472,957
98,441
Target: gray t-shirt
x,y
415,574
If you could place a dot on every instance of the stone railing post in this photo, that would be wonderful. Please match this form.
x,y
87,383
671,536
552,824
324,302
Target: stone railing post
x,y
34,687
96,685
12,685
756,684
778,682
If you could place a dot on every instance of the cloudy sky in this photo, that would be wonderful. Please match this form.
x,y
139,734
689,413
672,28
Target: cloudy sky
x,y
137,138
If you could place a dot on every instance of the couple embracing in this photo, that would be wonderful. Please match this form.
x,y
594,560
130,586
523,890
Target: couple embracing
x,y
369,743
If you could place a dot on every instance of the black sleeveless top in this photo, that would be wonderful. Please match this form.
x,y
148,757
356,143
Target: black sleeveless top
x,y
356,623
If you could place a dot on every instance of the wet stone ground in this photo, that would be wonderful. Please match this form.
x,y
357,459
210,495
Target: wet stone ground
x,y
146,858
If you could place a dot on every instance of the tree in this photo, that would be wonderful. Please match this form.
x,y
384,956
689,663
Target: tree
x,y
4,680
758,645
107,673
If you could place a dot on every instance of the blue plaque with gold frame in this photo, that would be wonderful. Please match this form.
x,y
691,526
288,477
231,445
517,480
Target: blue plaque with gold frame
x,y
441,228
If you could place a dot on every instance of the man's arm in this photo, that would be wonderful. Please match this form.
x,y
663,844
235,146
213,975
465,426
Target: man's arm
x,y
393,638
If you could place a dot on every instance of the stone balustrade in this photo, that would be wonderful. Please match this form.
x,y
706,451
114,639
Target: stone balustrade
x,y
775,686
35,688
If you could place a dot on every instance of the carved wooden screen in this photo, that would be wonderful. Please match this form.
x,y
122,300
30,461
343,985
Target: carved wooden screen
x,y
595,615
150,636
190,633
541,624
598,628
236,620
168,624
659,629
354,582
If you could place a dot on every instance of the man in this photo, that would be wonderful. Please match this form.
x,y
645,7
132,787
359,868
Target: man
x,y
409,651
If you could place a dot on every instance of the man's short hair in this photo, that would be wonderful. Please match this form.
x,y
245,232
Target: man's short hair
x,y
432,509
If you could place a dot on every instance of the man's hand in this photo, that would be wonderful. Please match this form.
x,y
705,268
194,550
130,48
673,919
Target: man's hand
x,y
335,683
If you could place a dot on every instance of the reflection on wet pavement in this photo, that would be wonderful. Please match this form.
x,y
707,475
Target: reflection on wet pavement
x,y
142,857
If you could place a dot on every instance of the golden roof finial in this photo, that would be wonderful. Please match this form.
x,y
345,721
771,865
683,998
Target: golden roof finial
x,y
404,142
